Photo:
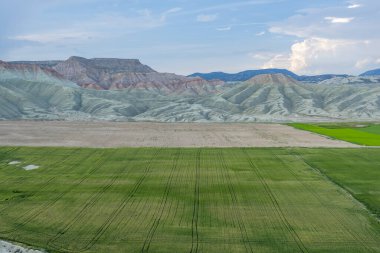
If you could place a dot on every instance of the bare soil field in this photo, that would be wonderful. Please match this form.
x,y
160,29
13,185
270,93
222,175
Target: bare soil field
x,y
146,134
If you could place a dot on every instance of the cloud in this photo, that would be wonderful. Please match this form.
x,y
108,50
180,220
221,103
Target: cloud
x,y
101,26
335,20
331,46
361,64
277,61
233,6
166,13
354,6
307,22
265,56
304,53
173,10
322,55
225,28
207,17
230,26
58,36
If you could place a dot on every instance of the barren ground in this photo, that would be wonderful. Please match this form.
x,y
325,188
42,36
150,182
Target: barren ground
x,y
122,134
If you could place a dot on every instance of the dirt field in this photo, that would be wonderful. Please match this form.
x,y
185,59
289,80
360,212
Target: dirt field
x,y
112,134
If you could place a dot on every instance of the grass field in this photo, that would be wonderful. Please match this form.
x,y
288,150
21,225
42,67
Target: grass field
x,y
367,134
190,200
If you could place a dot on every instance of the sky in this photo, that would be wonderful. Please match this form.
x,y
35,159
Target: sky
x,y
186,36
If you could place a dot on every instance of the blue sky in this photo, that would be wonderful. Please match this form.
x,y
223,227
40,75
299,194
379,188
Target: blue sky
x,y
183,36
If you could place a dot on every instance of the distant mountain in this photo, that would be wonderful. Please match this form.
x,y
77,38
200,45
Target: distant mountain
x,y
39,63
374,72
352,80
318,78
242,76
116,74
245,75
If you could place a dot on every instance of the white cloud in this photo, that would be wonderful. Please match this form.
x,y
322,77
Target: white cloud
x,y
165,14
58,36
277,61
101,26
321,55
226,28
173,10
261,55
361,64
260,33
336,20
354,6
233,5
336,45
304,53
207,17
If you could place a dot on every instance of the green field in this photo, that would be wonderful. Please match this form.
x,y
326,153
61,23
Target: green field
x,y
367,134
191,200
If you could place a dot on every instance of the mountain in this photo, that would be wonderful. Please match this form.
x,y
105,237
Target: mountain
x,y
353,80
245,75
31,72
45,64
32,92
241,76
374,72
281,98
319,78
274,95
116,74
38,91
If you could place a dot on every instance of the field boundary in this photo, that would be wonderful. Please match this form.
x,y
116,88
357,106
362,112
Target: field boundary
x,y
344,189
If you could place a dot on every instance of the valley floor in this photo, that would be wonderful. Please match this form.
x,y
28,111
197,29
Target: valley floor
x,y
148,134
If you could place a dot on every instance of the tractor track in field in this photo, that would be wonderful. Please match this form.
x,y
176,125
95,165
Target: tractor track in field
x,y
237,214
116,212
122,205
4,153
221,217
35,212
91,201
42,185
194,220
316,195
276,205
158,214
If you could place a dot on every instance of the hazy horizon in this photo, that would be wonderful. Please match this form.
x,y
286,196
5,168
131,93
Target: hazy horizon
x,y
339,37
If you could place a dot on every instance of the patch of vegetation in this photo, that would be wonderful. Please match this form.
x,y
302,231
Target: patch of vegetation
x,y
356,170
192,200
367,134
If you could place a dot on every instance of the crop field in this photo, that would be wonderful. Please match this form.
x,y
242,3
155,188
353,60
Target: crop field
x,y
191,199
367,134
356,171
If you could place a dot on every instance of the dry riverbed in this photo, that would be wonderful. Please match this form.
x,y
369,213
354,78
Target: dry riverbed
x,y
146,134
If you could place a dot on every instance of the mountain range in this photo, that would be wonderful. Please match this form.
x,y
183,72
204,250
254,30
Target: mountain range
x,y
127,90
247,74
374,72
